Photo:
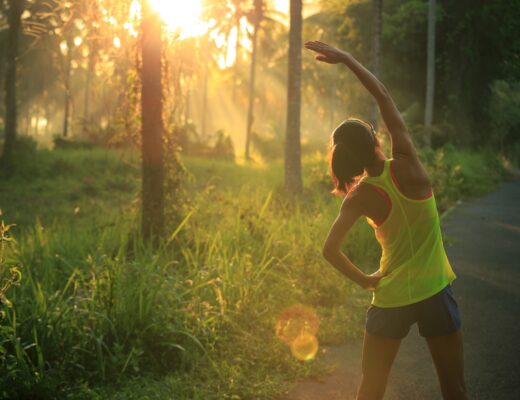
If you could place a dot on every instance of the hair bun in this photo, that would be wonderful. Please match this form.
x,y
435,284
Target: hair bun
x,y
347,160
352,150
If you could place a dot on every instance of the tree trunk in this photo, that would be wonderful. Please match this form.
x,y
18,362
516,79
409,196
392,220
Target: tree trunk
x,y
204,116
187,107
66,112
47,112
293,175
11,107
152,126
252,74
376,54
90,72
430,75
2,78
237,58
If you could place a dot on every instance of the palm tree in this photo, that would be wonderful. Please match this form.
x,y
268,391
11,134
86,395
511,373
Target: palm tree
x,y
152,125
238,6
14,16
229,15
430,74
293,174
257,18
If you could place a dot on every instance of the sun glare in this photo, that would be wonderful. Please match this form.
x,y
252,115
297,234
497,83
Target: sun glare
x,y
182,17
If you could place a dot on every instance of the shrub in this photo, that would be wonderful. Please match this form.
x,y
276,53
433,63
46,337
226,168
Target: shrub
x,y
71,144
191,143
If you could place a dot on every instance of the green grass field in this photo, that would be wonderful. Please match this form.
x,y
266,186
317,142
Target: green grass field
x,y
99,314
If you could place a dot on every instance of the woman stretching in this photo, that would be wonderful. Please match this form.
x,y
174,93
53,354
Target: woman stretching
x,y
413,283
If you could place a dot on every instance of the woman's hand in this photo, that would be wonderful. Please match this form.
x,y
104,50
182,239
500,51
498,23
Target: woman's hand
x,y
371,281
327,54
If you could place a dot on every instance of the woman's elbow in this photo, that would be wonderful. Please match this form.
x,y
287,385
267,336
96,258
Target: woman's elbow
x,y
328,252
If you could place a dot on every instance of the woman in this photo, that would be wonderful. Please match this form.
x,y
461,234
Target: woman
x,y
413,283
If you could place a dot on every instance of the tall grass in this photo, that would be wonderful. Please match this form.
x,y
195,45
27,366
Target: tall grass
x,y
102,313
95,306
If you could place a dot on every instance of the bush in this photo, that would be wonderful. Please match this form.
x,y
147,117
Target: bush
x,y
269,147
71,144
28,161
461,173
504,114
218,146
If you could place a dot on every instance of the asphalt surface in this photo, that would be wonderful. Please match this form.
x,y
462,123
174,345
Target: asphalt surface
x,y
482,239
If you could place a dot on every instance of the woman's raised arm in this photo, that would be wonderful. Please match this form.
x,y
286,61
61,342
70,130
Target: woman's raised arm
x,y
402,145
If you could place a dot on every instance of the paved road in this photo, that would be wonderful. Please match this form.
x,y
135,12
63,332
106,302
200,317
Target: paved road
x,y
482,239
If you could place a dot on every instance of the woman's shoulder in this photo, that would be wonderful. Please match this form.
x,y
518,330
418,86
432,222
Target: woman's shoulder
x,y
411,178
409,169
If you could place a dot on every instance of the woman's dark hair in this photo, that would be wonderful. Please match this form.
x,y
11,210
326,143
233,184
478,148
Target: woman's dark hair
x,y
353,149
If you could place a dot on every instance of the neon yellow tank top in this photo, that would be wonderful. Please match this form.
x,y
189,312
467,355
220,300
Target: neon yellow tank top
x,y
414,262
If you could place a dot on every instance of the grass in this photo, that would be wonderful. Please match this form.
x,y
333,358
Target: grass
x,y
99,314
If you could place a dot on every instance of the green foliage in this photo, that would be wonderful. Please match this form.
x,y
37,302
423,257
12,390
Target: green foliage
x,y
476,47
456,174
504,114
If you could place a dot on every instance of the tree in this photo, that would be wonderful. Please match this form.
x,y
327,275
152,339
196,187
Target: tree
x,y
257,18
430,74
205,83
152,125
293,174
93,13
238,14
376,53
15,11
68,94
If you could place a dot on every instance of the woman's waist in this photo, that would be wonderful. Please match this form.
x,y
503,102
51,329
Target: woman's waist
x,y
416,264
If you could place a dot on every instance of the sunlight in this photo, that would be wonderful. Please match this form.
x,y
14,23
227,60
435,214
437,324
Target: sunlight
x,y
182,17
281,6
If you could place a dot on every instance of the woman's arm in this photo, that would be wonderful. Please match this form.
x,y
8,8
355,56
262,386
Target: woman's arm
x,y
350,211
402,144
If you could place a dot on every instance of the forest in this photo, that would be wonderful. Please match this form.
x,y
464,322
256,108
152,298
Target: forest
x,y
165,189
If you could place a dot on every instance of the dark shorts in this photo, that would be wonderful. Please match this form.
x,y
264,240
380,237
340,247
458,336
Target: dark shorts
x,y
435,316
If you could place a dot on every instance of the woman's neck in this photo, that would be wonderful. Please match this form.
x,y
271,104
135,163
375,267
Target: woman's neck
x,y
377,167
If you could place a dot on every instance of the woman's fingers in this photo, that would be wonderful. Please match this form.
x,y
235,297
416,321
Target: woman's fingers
x,y
315,44
326,53
311,45
316,48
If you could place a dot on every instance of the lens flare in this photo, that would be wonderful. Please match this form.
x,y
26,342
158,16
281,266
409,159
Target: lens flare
x,y
294,321
304,347
297,327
